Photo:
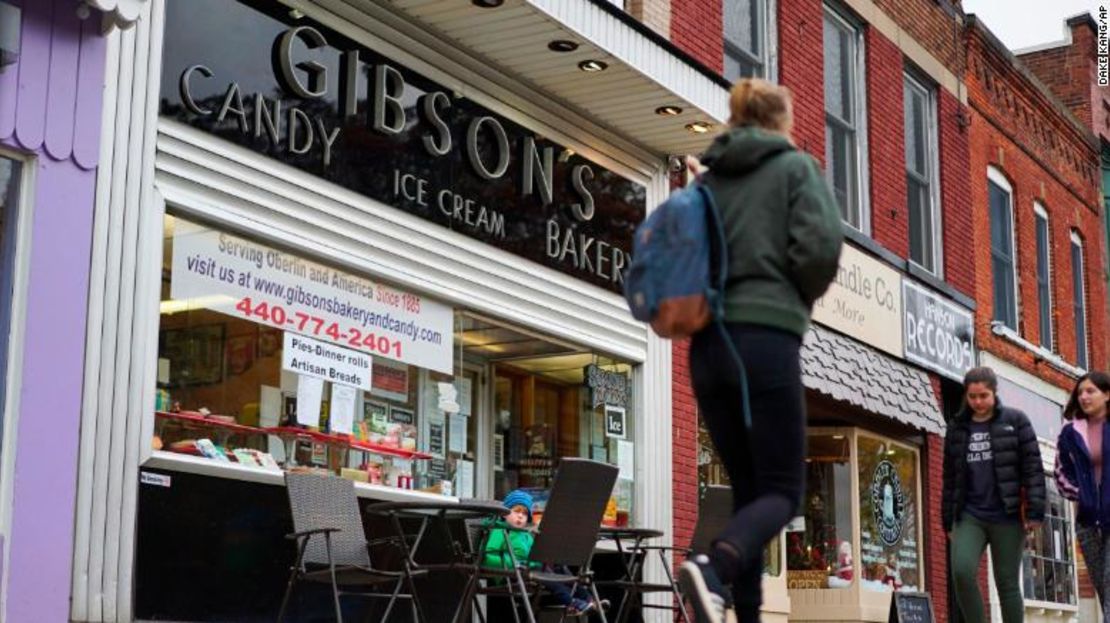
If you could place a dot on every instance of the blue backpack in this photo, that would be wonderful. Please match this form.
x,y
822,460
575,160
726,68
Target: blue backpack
x,y
677,276
676,281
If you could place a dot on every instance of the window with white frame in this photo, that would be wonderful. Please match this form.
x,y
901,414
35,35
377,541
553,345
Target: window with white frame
x,y
1044,272
1079,300
1003,260
747,38
922,173
1048,563
844,112
11,172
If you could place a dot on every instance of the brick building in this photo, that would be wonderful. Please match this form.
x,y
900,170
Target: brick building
x,y
1037,212
1069,68
909,224
912,71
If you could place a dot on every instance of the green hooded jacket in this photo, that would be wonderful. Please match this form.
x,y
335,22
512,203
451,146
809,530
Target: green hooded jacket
x,y
497,547
782,224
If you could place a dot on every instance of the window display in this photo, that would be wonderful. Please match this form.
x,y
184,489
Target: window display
x,y
269,360
1048,565
712,472
889,553
819,553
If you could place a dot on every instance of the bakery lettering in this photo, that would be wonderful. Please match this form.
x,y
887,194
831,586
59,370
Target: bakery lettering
x,y
888,502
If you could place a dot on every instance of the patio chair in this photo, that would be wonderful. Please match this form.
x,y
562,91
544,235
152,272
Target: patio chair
x,y
332,546
714,512
566,538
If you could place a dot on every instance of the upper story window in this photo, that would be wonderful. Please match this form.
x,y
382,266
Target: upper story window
x,y
922,173
844,115
1003,260
1044,275
11,172
747,38
1079,300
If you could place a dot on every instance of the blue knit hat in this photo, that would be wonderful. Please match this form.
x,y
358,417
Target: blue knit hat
x,y
519,497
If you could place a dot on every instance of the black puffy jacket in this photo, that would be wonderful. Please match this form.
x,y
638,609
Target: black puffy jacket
x,y
1017,465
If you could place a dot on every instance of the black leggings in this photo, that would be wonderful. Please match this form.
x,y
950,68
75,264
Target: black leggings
x,y
765,465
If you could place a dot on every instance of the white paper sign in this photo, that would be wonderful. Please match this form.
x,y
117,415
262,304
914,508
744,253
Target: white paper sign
x,y
457,433
465,387
310,390
447,401
626,459
464,479
246,279
326,361
342,414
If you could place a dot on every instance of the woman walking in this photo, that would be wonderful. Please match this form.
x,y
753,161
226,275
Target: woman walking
x,y
993,484
783,232
1081,471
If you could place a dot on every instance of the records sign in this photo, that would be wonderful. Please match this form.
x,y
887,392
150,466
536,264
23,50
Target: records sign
x,y
939,333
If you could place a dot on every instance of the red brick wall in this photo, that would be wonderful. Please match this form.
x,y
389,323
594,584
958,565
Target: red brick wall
x,y
1069,71
886,144
801,68
696,28
955,194
936,543
684,421
1045,159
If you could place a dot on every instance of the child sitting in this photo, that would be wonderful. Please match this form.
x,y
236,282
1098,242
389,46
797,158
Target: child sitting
x,y
519,542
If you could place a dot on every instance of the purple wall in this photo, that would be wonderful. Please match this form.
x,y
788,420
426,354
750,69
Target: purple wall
x,y
50,104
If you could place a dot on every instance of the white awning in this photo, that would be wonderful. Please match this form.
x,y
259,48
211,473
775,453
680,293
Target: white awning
x,y
644,71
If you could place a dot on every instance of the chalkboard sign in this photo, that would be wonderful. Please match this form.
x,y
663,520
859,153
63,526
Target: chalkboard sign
x,y
911,608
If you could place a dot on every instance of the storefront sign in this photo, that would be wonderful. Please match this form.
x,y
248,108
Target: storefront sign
x,y
606,388
246,279
888,503
323,360
864,302
911,608
614,422
301,93
939,334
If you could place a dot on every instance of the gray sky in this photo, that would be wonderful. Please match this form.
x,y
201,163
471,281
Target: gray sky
x,y
1025,23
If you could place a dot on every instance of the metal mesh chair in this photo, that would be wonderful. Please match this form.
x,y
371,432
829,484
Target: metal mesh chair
x,y
714,512
332,546
566,537
571,522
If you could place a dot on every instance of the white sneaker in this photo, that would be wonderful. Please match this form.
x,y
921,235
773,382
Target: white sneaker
x,y
701,586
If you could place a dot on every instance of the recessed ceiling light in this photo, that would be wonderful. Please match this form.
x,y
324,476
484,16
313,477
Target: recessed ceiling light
x,y
592,66
562,45
488,4
699,127
668,111
295,14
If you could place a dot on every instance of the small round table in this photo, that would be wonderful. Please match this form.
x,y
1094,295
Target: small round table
x,y
634,589
443,511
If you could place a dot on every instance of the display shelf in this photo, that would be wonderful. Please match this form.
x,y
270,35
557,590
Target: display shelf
x,y
344,440
196,419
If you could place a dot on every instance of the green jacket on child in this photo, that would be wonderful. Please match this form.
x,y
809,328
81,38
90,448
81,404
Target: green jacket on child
x,y
498,547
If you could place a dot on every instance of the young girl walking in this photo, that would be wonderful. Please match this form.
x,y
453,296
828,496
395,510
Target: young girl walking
x,y
1081,473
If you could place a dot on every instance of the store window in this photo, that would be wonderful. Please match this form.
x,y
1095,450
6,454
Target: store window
x,y
844,114
1079,299
746,38
1048,566
10,173
1044,278
268,360
711,471
819,554
889,552
922,171
1003,260
871,542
